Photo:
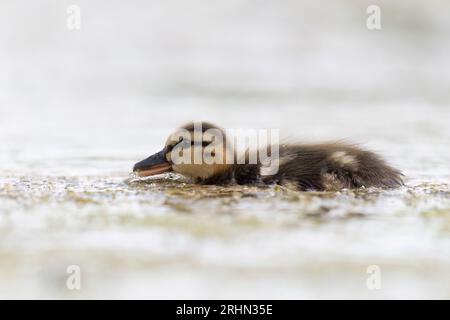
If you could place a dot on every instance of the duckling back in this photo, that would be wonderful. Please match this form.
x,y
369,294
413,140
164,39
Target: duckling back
x,y
333,167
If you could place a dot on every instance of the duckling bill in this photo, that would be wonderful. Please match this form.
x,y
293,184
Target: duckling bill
x,y
306,167
153,165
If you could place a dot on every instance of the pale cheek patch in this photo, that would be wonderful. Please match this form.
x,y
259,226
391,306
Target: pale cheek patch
x,y
203,171
194,170
344,160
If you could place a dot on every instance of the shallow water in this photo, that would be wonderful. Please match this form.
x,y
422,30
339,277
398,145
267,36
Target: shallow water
x,y
94,102
165,238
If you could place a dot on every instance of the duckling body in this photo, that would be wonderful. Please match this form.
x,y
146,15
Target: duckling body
x,y
320,167
317,167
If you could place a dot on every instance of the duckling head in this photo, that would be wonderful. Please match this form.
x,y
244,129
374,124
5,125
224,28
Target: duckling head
x,y
197,150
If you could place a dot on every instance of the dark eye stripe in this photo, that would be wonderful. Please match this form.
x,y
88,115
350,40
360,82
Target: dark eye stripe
x,y
204,143
170,147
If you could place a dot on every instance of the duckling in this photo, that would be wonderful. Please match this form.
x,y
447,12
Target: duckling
x,y
305,167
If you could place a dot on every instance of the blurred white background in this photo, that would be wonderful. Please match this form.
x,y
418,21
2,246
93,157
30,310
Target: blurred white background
x,y
140,68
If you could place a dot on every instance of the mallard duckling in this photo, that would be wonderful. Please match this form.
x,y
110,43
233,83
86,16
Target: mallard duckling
x,y
320,167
